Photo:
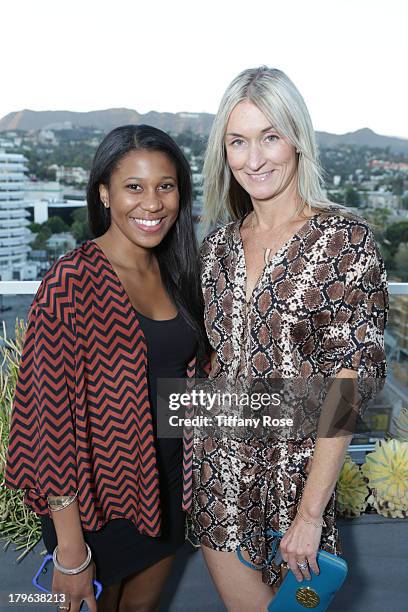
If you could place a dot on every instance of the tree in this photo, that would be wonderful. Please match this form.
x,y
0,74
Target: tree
x,y
35,227
401,261
56,225
396,234
389,260
379,217
398,186
80,214
351,197
40,241
80,226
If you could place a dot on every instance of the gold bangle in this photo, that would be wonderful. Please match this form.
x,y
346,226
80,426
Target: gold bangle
x,y
61,502
322,524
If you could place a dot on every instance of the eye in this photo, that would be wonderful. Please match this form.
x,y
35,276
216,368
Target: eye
x,y
167,186
237,142
271,137
134,187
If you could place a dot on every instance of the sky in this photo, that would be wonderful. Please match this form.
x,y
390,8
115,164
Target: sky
x,y
347,57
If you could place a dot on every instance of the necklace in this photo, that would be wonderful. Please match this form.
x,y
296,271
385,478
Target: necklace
x,y
267,250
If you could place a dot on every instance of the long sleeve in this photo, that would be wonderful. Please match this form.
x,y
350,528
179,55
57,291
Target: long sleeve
x,y
42,446
366,299
362,316
355,339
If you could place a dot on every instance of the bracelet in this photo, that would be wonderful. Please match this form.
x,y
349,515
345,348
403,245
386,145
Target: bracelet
x,y
75,570
61,502
322,524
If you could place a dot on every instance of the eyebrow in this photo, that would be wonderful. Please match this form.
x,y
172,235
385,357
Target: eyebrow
x,y
140,178
267,129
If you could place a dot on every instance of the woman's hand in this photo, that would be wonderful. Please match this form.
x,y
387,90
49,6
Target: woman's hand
x,y
75,587
72,552
300,544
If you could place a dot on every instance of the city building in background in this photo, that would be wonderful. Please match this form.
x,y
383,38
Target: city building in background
x,y
46,199
15,235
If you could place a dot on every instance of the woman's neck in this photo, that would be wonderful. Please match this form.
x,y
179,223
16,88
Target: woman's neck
x,y
124,253
277,212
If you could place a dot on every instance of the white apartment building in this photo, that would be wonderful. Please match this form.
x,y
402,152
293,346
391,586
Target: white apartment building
x,y
381,199
75,174
14,233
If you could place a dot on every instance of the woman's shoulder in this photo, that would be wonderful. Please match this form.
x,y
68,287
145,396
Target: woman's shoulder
x,y
220,233
64,278
217,237
347,228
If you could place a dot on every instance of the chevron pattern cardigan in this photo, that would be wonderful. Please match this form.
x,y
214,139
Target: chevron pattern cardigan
x,y
81,419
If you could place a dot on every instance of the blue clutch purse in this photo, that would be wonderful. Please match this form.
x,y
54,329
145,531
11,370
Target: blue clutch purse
x,y
317,593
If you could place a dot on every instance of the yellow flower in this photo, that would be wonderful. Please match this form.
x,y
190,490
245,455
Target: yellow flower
x,y
387,470
389,507
352,490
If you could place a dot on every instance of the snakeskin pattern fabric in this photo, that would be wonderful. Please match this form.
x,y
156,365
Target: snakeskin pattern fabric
x,y
320,305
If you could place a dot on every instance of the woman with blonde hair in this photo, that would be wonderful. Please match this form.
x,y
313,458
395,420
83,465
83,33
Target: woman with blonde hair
x,y
294,288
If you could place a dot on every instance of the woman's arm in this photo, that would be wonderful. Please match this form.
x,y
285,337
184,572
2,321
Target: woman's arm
x,y
44,412
71,554
328,457
366,301
301,541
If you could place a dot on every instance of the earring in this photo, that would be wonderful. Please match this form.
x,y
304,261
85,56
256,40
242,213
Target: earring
x,y
297,150
106,205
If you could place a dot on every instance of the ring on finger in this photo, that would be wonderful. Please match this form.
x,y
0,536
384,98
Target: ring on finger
x,y
302,564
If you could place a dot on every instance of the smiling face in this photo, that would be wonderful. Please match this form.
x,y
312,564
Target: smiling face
x,y
262,162
143,197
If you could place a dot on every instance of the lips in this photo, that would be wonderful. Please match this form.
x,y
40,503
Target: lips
x,y
147,225
261,177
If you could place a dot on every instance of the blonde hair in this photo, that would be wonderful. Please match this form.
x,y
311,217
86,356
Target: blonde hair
x,y
279,100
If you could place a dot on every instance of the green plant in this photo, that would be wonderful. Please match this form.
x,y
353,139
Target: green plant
x,y
18,524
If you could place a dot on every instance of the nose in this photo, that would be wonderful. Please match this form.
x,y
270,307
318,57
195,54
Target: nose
x,y
255,159
151,202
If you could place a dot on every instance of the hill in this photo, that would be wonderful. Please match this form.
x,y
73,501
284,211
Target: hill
x,y
105,120
199,123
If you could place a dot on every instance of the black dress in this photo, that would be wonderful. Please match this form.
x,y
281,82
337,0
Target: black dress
x,y
118,549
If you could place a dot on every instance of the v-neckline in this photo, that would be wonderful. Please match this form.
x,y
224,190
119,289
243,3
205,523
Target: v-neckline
x,y
125,293
268,266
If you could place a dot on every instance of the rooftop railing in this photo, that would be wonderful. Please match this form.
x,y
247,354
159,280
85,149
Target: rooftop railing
x,y
30,287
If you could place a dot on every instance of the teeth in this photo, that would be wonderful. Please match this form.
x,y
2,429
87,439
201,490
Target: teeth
x,y
146,222
260,177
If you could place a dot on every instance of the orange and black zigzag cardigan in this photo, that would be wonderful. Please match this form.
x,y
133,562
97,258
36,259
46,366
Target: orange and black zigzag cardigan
x,y
81,419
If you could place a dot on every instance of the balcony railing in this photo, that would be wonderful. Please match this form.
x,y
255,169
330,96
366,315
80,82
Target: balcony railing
x,y
30,287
